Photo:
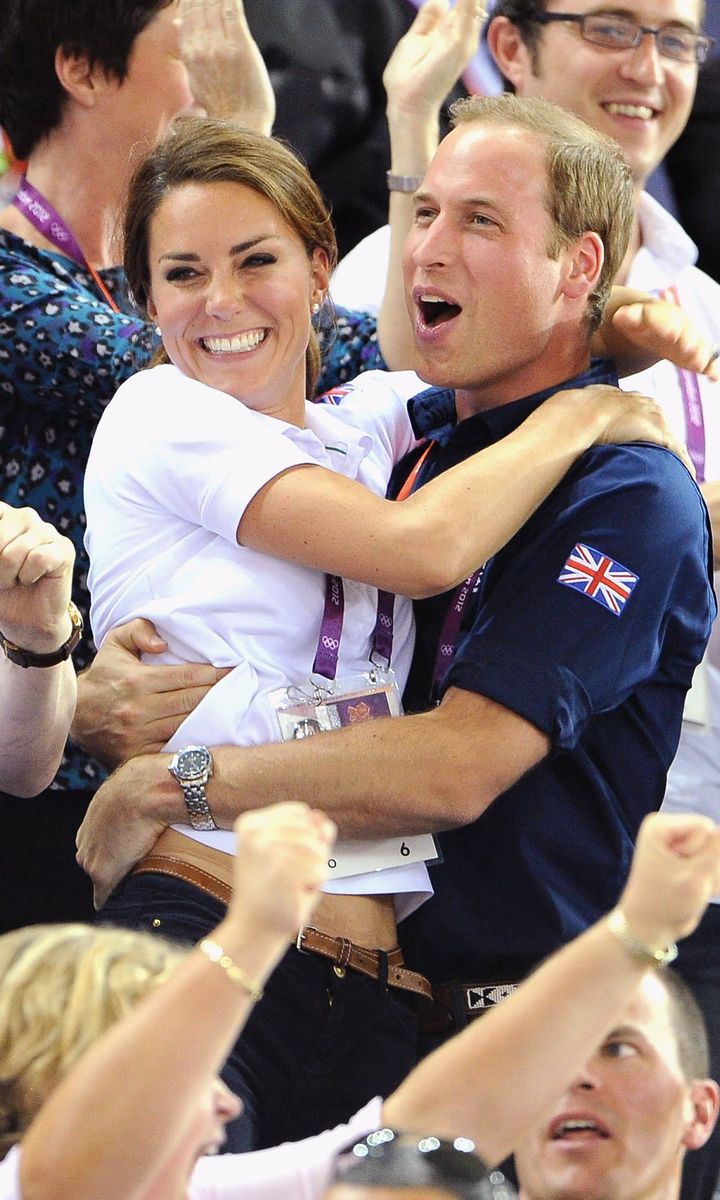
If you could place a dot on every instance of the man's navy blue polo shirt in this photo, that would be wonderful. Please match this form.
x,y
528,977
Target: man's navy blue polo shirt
x,y
588,624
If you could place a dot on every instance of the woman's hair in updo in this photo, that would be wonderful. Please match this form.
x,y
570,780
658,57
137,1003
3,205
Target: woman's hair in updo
x,y
201,150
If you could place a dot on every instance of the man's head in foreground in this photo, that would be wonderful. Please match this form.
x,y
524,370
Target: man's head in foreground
x,y
621,1131
521,223
629,70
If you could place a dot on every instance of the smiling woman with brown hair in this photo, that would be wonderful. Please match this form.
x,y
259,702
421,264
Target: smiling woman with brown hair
x,y
86,86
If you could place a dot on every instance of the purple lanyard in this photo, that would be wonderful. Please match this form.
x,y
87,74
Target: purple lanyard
x,y
43,217
454,615
694,421
328,649
451,625
692,406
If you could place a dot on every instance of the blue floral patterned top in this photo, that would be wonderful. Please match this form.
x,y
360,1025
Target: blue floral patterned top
x,y
63,354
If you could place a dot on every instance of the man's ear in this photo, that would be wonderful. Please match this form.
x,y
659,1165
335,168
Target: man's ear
x,y
510,52
584,263
77,78
705,1101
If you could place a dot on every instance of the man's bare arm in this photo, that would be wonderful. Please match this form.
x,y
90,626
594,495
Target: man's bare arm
x,y
126,706
432,771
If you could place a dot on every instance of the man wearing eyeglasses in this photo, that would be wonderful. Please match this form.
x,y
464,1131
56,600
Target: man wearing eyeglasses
x,y
630,70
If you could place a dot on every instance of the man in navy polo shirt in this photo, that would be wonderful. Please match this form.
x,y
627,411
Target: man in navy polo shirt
x,y
569,668
570,655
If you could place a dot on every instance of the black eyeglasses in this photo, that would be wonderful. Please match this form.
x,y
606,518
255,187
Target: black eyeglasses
x,y
620,33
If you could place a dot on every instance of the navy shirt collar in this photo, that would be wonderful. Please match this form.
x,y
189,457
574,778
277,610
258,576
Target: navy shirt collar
x,y
433,416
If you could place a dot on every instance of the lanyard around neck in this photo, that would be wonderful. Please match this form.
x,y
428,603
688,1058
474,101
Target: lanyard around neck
x,y
328,648
43,217
452,623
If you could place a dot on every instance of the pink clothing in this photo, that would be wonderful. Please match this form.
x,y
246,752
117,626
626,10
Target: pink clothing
x,y
294,1171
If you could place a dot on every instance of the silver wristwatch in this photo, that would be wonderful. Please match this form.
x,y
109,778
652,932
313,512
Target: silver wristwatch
x,y
192,767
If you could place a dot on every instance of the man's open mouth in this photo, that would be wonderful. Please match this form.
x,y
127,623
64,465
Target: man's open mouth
x,y
435,310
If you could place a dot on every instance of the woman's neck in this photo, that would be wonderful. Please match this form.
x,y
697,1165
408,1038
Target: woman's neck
x,y
82,190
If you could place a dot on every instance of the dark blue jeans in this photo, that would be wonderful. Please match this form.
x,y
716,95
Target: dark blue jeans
x,y
316,1048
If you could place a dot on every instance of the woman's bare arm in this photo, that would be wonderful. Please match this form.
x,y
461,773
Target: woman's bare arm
x,y
498,1077
94,1138
440,534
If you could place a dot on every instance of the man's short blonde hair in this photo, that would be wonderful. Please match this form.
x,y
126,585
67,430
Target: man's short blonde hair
x,y
589,184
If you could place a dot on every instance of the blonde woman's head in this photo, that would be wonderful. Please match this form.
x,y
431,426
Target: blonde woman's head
x,y
61,987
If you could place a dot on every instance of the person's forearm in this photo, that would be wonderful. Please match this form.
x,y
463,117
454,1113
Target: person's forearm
x,y
413,141
494,1081
420,547
78,1145
486,486
421,72
371,783
376,779
503,1073
36,708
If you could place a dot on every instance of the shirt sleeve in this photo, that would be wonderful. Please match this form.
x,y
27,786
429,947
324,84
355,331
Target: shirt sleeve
x,y
376,404
606,586
61,345
170,443
301,1170
349,346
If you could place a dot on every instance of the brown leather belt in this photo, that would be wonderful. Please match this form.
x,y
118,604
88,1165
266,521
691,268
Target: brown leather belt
x,y
185,858
210,870
372,963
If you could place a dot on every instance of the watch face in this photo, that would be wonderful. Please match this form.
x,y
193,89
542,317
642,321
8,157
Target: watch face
x,y
193,761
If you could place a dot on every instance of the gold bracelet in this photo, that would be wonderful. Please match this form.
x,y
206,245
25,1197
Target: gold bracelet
x,y
216,954
619,926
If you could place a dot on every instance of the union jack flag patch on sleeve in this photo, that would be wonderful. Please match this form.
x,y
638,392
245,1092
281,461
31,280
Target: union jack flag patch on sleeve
x,y
598,576
333,396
